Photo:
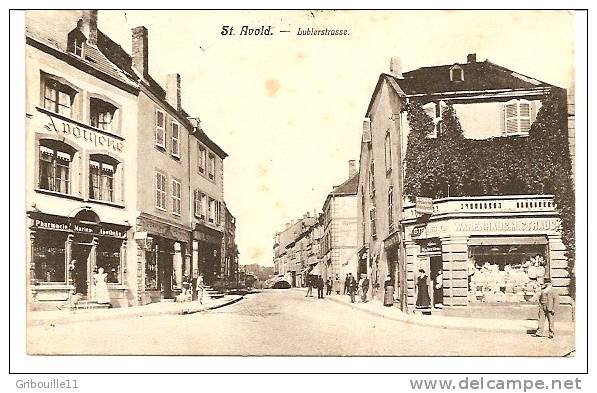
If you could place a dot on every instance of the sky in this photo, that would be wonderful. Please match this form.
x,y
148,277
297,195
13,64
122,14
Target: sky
x,y
288,109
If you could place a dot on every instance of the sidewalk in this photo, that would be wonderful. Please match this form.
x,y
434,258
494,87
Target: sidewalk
x,y
375,307
35,318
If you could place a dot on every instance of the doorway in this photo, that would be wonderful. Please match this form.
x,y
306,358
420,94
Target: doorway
x,y
436,276
165,273
80,272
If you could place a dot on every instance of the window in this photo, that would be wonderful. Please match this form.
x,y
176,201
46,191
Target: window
x,y
175,139
456,74
160,191
49,257
372,222
201,158
212,166
108,257
101,178
176,198
372,179
212,210
151,269
218,219
517,117
58,97
391,208
204,206
160,132
197,203
101,114
388,151
75,42
55,159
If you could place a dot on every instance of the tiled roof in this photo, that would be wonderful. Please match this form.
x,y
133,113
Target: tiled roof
x,y
349,187
108,57
478,76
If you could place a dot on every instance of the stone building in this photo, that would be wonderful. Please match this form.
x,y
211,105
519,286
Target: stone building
x,y
111,168
463,241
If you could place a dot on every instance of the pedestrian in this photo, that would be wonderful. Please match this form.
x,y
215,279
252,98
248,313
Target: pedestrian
x,y
346,283
200,288
548,302
352,287
388,297
309,286
364,288
360,287
102,296
438,290
337,285
328,286
319,282
422,290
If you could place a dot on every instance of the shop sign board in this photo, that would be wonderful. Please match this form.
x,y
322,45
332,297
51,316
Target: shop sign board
x,y
423,206
63,224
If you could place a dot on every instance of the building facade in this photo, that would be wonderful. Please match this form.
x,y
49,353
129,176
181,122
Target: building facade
x,y
93,111
480,247
339,224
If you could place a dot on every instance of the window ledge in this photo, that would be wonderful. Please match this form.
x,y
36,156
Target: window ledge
x,y
116,286
101,202
58,194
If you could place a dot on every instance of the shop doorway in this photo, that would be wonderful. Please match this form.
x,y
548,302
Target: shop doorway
x,y
436,276
80,270
165,270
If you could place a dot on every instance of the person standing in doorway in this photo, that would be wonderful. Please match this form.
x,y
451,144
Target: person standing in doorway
x,y
309,286
388,297
364,288
438,290
548,302
422,290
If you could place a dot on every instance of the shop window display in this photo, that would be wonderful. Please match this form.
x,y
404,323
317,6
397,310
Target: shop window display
x,y
48,255
151,270
506,274
108,257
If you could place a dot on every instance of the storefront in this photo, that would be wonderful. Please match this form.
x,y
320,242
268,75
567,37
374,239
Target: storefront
x,y
163,259
67,251
487,251
207,251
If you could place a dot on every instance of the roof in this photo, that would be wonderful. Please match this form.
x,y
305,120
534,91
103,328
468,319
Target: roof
x,y
349,187
478,76
107,57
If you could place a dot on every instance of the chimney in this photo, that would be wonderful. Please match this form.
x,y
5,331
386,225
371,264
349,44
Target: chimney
x,y
396,67
173,91
471,58
352,168
140,50
89,26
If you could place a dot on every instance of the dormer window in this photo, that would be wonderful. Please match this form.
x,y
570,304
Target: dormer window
x,y
456,74
76,43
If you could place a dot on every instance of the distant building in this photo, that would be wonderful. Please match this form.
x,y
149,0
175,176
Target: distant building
x,y
339,223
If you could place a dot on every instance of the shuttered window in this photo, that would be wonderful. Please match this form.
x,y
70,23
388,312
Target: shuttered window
x,y
517,117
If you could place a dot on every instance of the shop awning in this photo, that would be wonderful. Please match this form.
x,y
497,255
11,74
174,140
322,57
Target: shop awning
x,y
505,241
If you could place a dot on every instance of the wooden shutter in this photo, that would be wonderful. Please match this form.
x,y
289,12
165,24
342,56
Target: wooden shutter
x,y
511,117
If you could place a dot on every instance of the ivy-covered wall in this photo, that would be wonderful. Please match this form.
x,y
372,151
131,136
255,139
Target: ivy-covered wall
x,y
537,164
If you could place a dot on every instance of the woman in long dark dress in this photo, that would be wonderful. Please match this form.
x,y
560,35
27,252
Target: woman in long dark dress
x,y
422,289
388,298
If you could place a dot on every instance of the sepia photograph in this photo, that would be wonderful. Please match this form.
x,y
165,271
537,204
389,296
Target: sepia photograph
x,y
348,183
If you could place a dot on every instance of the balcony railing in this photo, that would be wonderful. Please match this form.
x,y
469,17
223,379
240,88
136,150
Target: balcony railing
x,y
487,204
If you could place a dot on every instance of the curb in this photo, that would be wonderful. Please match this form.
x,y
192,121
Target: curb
x,y
437,324
75,318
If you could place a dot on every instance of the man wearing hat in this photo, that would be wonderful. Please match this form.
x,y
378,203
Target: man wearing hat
x,y
548,301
